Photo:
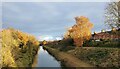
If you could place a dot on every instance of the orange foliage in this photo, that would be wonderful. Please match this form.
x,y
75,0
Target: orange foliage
x,y
23,37
81,30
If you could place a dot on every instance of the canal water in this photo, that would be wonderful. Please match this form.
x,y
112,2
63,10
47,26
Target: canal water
x,y
44,59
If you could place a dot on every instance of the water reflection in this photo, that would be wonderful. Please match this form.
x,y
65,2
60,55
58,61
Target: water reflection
x,y
44,59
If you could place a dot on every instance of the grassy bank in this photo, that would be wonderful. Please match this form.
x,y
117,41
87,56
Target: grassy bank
x,y
66,59
98,56
18,48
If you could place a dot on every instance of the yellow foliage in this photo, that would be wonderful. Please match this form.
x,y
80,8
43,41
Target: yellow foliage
x,y
11,50
81,31
44,42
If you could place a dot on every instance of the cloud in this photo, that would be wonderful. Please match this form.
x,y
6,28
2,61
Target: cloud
x,y
58,38
50,18
48,38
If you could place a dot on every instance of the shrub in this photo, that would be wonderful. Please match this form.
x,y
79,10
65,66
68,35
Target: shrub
x,y
17,48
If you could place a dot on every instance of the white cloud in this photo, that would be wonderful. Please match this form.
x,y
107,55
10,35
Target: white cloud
x,y
49,38
58,38
45,37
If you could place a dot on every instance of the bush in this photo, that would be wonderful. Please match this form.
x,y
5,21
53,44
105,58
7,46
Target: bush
x,y
17,48
103,43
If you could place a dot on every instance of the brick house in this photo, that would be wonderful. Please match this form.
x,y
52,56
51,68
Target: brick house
x,y
105,35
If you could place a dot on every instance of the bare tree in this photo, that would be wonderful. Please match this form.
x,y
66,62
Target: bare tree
x,y
112,15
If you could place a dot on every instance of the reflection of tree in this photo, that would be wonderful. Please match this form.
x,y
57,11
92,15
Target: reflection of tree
x,y
35,61
81,30
112,15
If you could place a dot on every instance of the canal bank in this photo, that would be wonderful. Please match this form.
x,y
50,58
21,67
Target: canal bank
x,y
66,59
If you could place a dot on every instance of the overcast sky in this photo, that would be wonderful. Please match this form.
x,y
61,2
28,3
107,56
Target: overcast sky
x,y
50,19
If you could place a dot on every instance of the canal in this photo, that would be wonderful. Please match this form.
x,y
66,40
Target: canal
x,y
44,59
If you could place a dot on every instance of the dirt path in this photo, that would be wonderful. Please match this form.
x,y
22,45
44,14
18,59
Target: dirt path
x,y
67,59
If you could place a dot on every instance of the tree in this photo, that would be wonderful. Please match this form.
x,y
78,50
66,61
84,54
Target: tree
x,y
81,31
112,15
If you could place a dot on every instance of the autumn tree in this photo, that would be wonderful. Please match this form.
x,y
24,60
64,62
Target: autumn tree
x,y
67,34
112,14
81,31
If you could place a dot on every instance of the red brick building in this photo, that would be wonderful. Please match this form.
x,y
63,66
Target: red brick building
x,y
105,35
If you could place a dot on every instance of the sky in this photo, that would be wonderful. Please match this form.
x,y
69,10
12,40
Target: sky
x,y
58,0
50,20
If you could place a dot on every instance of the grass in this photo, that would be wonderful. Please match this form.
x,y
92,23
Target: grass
x,y
67,60
101,57
100,54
